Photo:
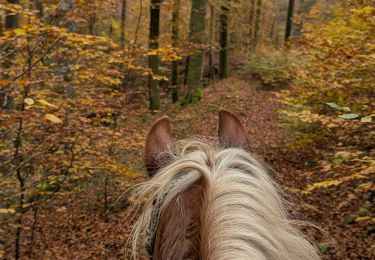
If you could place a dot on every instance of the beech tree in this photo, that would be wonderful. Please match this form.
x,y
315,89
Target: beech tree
x,y
175,34
153,59
211,53
224,40
289,21
197,39
123,21
258,14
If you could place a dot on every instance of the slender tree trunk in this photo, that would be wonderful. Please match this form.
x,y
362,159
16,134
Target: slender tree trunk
x,y
40,8
251,26
197,37
18,156
175,34
301,14
224,40
211,54
33,227
92,22
289,21
153,60
137,27
1,25
12,20
92,17
257,23
122,41
123,22
106,202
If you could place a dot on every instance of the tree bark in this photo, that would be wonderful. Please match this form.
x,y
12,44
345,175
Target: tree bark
x,y
40,8
250,46
197,38
92,22
153,60
224,40
257,23
123,22
289,21
175,34
211,54
12,20
301,14
1,25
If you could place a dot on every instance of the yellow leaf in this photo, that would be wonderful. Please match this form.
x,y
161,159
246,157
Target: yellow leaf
x,y
53,118
45,103
359,219
7,211
20,31
29,101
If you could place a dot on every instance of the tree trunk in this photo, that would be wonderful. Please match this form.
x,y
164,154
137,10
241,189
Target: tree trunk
x,y
40,8
224,40
211,54
301,15
250,46
175,33
1,25
289,21
92,22
153,60
257,23
196,37
123,22
12,20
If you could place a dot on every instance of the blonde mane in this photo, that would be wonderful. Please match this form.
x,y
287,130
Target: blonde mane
x,y
243,213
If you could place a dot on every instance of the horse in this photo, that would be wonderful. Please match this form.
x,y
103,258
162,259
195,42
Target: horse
x,y
212,201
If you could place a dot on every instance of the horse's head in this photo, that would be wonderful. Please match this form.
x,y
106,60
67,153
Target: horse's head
x,y
159,140
209,201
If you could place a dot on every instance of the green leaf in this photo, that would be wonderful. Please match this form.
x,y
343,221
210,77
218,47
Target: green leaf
x,y
324,247
349,116
366,119
334,105
337,107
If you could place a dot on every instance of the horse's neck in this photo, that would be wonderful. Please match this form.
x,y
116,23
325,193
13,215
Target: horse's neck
x,y
178,235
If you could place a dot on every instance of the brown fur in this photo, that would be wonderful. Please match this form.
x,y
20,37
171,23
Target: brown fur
x,y
178,235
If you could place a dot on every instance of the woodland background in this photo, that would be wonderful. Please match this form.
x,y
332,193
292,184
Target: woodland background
x,y
81,81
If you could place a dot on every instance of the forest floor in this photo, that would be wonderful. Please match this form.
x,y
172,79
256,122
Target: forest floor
x,y
73,226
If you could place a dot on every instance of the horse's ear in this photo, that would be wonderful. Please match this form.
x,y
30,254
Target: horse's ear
x,y
231,131
158,141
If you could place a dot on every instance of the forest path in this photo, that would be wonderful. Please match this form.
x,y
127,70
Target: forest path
x,y
256,108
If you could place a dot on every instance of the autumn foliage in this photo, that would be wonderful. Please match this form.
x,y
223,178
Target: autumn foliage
x,y
74,111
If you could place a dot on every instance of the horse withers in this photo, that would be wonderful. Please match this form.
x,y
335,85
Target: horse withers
x,y
207,201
